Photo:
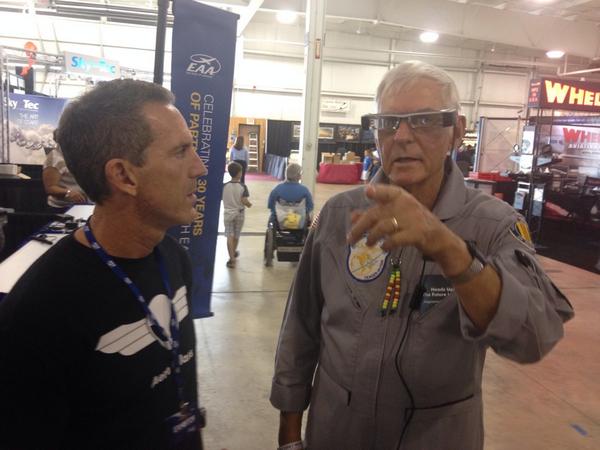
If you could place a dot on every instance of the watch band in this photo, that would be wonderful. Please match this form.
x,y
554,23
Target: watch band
x,y
474,269
298,445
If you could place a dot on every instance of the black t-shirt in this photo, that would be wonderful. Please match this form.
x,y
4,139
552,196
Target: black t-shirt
x,y
79,366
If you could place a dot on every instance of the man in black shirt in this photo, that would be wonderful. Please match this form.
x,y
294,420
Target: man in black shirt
x,y
97,346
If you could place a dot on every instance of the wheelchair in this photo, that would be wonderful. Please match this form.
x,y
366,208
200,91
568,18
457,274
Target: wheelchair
x,y
286,233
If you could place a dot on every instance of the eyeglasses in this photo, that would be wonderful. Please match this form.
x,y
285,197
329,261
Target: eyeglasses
x,y
423,121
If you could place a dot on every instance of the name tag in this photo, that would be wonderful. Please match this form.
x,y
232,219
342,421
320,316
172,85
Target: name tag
x,y
435,289
183,423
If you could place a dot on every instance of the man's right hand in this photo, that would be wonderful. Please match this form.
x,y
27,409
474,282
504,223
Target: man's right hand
x,y
290,427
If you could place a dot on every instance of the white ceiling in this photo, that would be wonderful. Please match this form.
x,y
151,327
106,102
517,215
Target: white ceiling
x,y
578,10
515,28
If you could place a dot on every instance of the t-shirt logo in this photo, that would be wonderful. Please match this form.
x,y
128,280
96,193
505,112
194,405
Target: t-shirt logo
x,y
130,338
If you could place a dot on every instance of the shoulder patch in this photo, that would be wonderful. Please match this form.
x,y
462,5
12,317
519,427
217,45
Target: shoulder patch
x,y
520,231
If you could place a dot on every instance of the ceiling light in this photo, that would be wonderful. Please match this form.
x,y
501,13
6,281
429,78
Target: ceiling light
x,y
429,36
555,54
286,17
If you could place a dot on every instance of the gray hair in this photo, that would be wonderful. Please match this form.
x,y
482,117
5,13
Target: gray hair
x,y
106,123
293,172
407,73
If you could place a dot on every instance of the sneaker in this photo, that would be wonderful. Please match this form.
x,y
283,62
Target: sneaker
x,y
230,264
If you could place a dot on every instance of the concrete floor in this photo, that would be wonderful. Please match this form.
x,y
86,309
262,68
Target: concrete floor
x,y
551,405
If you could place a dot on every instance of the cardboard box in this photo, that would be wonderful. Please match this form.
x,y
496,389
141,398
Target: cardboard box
x,y
349,156
327,158
337,159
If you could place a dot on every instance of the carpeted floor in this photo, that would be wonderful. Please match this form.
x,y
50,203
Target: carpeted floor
x,y
260,177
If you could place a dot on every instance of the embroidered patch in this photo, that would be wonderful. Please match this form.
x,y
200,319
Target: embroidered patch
x,y
520,231
366,263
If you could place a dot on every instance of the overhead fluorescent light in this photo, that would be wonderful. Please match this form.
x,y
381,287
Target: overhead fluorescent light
x,y
555,54
287,17
429,36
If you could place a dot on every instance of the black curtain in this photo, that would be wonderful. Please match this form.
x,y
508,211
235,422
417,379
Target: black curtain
x,y
279,137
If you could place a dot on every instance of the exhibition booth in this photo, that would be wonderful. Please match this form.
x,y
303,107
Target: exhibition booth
x,y
553,176
27,121
345,141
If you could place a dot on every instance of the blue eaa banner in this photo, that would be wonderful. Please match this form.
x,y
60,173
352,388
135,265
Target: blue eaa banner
x,y
202,80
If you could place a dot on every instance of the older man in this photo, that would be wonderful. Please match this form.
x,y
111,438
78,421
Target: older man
x,y
400,292
291,191
96,339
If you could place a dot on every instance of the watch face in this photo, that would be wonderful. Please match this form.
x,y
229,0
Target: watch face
x,y
476,266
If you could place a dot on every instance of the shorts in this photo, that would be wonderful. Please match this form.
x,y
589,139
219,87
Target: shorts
x,y
233,226
364,176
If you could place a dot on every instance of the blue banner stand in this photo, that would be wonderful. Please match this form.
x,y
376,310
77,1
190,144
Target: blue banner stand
x,y
202,80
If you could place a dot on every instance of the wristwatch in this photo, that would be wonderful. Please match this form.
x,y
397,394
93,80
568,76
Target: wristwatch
x,y
476,266
298,445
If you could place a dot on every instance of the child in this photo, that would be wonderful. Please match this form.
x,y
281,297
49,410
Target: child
x,y
235,199
367,165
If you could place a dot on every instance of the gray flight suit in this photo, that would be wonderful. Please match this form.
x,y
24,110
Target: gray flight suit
x,y
375,372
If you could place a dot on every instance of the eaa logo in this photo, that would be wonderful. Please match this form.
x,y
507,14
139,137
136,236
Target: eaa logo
x,y
203,65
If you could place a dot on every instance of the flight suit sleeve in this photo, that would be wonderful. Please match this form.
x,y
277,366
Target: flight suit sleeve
x,y
300,336
532,310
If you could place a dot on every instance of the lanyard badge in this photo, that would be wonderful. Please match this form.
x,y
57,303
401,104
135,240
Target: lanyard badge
x,y
187,420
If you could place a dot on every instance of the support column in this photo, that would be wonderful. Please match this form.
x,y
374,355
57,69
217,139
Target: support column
x,y
477,90
159,52
313,59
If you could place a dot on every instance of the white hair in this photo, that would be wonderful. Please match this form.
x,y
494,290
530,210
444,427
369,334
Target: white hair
x,y
293,172
409,72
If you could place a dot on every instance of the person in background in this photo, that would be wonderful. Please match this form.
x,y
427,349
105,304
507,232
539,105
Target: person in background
x,y
291,191
376,163
466,154
60,185
367,166
235,201
403,286
239,154
97,343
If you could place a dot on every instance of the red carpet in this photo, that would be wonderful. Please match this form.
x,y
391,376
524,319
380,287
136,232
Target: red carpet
x,y
260,177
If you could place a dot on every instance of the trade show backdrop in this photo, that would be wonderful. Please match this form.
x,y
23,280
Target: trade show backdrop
x,y
32,119
202,80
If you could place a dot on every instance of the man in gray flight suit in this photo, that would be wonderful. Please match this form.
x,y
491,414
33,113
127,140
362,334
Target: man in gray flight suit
x,y
403,286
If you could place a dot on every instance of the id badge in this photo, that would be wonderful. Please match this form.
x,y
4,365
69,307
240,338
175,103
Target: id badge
x,y
435,289
183,423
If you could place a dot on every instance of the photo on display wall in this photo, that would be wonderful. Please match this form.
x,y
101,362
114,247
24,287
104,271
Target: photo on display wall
x,y
326,132
296,131
348,132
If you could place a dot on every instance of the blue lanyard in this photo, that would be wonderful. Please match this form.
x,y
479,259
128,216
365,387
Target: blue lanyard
x,y
170,344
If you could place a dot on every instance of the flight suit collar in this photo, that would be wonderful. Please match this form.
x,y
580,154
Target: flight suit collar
x,y
452,195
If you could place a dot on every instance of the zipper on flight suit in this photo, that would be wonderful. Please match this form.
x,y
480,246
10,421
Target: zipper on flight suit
x,y
394,260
